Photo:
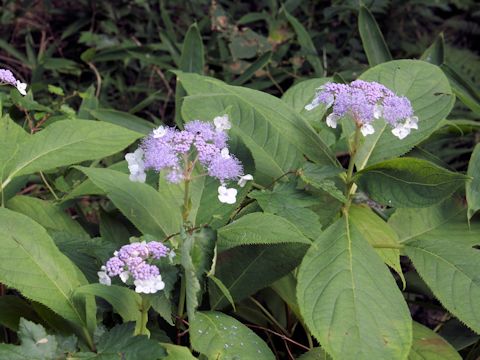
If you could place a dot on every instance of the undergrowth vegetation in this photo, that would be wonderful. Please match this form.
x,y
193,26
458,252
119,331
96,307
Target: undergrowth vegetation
x,y
239,180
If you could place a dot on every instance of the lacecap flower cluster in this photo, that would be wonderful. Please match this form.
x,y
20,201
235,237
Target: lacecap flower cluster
x,y
177,152
7,78
132,263
365,102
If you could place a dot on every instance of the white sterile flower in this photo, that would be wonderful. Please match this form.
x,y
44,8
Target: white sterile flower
x,y
243,180
159,132
315,102
103,278
171,255
21,87
136,166
367,129
149,286
411,122
226,195
332,120
124,276
225,153
222,123
401,131
377,111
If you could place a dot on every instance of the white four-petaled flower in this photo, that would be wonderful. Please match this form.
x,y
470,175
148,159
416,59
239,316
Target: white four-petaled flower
x,y
21,87
159,132
103,278
136,166
227,195
149,286
243,180
222,123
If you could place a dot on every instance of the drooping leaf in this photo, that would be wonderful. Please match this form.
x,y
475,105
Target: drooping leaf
x,y
463,88
306,43
125,301
258,64
254,115
257,229
435,54
373,42
47,275
219,336
68,142
428,345
246,269
451,271
140,203
408,182
428,90
47,214
192,284
473,186
378,233
347,295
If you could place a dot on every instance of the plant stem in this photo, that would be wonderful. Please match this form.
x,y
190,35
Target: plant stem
x,y
186,200
351,164
181,304
48,186
141,326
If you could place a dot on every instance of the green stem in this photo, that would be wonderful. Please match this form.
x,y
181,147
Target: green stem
x,y
141,326
44,179
181,304
270,316
351,165
186,200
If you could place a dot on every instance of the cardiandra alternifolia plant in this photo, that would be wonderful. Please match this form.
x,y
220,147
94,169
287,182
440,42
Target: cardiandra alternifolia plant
x,y
251,212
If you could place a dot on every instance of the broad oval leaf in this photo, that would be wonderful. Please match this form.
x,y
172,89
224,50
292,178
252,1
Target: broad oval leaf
x,y
350,301
219,336
140,203
372,39
429,91
408,182
47,275
257,229
68,142
125,301
451,271
428,345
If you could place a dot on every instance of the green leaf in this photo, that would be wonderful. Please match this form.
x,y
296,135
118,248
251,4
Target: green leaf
x,y
47,275
68,142
260,120
444,221
11,136
119,343
292,204
379,234
36,344
246,269
315,354
373,42
408,182
259,229
320,177
12,308
428,90
176,352
192,58
219,336
346,295
125,301
47,214
140,203
428,345
192,283
306,43
451,271
435,54
221,286
473,186
463,88
123,119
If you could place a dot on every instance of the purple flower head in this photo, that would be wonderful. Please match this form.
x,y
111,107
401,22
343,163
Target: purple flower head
x,y
225,167
7,78
366,101
135,260
203,130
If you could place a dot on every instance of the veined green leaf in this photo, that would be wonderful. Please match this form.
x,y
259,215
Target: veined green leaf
x,y
451,271
260,120
259,229
428,345
347,295
68,142
473,186
139,202
11,136
428,90
219,336
47,275
373,42
408,182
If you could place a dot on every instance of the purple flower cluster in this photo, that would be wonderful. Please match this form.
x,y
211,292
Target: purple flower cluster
x,y
366,101
133,260
7,78
177,152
